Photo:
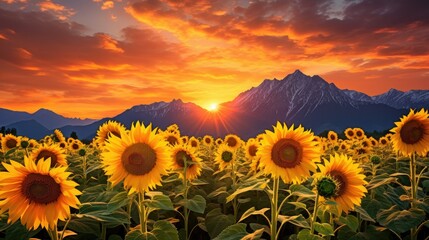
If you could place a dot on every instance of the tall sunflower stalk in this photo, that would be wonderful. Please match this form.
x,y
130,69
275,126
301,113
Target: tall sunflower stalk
x,y
411,137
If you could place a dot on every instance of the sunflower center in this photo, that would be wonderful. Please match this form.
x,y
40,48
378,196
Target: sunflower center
x,y
172,140
227,156
208,141
341,181
232,142
40,188
286,153
350,133
75,146
11,143
252,150
138,159
333,137
181,157
45,154
383,141
194,143
412,132
359,133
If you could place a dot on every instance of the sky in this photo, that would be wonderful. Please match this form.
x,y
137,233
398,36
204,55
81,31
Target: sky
x,y
96,58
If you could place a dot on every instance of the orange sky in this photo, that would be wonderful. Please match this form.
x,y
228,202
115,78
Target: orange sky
x,y
95,59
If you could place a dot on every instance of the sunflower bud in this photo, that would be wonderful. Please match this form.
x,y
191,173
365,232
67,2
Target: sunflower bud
x,y
326,187
375,159
82,152
24,144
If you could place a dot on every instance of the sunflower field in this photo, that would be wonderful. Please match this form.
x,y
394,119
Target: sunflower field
x,y
150,183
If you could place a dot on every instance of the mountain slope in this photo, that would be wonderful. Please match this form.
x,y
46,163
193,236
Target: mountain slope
x,y
399,99
30,128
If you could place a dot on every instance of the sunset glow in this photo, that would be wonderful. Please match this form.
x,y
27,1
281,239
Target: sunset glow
x,y
213,107
97,58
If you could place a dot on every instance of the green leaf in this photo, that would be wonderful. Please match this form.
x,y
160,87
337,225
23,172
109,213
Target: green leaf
x,y
252,211
233,232
98,211
363,214
298,205
305,234
84,225
8,153
401,221
160,202
162,230
301,191
380,180
198,182
119,200
115,237
255,235
259,186
196,204
297,220
351,221
217,192
324,228
216,222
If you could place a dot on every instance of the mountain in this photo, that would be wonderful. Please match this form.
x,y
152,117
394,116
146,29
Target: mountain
x,y
30,128
47,118
295,99
398,99
395,98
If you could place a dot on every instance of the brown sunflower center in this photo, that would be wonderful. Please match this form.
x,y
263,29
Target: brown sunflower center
x,y
172,140
343,147
286,153
227,156
45,154
383,141
40,188
11,143
350,133
361,151
252,150
181,157
359,133
232,142
208,140
62,145
138,159
341,181
194,143
412,132
333,137
75,146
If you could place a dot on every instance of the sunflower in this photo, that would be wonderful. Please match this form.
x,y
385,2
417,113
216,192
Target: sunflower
x,y
225,156
193,142
251,148
288,153
359,133
53,151
59,135
232,141
208,140
47,139
63,145
36,193
9,142
332,136
185,139
366,143
172,138
260,137
383,141
411,134
70,140
180,154
350,133
173,128
75,145
347,175
33,143
139,157
218,141
343,146
373,141
107,129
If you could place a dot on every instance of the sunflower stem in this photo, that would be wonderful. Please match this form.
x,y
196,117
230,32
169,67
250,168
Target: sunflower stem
x,y
314,216
84,171
142,213
274,211
234,183
53,233
130,205
185,196
65,227
103,231
413,189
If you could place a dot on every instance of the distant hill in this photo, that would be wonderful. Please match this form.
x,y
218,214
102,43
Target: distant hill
x,y
30,128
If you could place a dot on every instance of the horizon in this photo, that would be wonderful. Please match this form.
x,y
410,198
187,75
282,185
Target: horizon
x,y
94,59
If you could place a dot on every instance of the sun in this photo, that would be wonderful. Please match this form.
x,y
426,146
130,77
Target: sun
x,y
213,107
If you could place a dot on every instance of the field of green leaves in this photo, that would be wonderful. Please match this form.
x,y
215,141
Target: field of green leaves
x,y
149,183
